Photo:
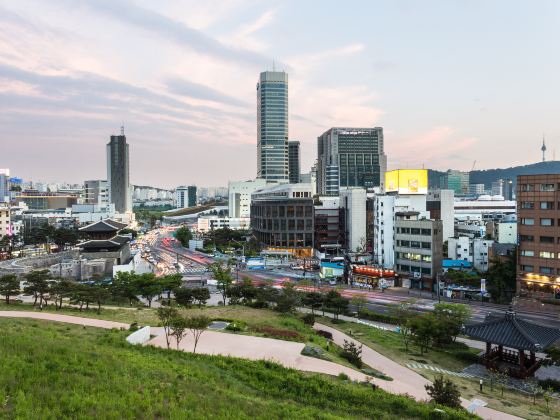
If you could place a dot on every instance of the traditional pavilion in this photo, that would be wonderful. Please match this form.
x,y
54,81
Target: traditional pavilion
x,y
105,242
512,344
103,229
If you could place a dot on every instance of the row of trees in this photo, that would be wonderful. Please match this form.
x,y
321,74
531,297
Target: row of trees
x,y
124,288
438,328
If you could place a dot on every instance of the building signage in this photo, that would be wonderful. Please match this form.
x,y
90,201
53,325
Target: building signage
x,y
482,285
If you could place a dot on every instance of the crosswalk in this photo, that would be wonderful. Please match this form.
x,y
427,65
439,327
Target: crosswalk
x,y
438,370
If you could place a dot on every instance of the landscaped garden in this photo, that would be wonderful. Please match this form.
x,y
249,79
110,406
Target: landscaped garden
x,y
54,370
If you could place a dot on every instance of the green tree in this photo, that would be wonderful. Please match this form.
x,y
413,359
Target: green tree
x,y
353,353
450,318
178,327
123,288
222,275
184,296
99,291
147,286
359,302
336,303
167,315
444,392
312,300
501,278
9,286
128,231
423,329
37,284
200,295
288,299
170,283
59,288
197,325
184,235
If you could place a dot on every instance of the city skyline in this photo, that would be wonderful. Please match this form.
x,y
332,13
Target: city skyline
x,y
444,81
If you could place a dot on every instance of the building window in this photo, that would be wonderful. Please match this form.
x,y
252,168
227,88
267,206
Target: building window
x,y
527,205
546,254
547,222
415,231
426,245
427,232
547,239
527,221
547,205
526,187
427,271
527,238
527,253
414,244
546,270
529,268
426,258
547,187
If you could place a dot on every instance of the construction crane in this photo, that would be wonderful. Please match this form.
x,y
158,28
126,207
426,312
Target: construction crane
x,y
473,165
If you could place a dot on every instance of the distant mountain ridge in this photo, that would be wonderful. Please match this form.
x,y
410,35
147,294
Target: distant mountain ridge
x,y
488,176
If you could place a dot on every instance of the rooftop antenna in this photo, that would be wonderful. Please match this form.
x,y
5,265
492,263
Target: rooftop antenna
x,y
543,149
122,129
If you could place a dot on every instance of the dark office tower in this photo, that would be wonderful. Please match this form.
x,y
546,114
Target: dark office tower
x,y
118,180
272,126
350,157
508,189
294,162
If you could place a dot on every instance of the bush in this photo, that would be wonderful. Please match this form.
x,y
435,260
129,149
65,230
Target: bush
x,y
133,327
235,326
280,333
343,376
444,392
467,356
376,374
309,319
374,316
552,383
352,353
313,351
326,334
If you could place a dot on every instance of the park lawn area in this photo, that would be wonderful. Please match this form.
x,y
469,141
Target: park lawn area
x,y
54,371
454,357
390,344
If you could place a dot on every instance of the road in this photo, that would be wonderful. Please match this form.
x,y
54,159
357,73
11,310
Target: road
x,y
196,262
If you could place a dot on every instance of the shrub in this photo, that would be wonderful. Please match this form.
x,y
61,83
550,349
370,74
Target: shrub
x,y
343,376
234,326
133,327
353,353
280,333
309,319
550,383
444,392
313,351
466,356
326,334
374,316
376,374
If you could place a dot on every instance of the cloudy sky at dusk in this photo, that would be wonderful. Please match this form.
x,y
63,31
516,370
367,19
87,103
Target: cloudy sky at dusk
x,y
449,81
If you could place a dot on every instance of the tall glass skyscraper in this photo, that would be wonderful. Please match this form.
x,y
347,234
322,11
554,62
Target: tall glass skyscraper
x,y
272,126
118,178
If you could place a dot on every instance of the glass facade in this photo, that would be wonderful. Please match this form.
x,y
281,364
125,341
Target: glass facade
x,y
350,157
272,126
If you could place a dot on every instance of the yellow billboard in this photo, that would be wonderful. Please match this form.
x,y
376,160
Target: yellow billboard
x,y
407,181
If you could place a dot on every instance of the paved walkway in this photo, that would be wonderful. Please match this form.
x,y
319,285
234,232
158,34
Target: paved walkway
x,y
438,370
90,322
404,380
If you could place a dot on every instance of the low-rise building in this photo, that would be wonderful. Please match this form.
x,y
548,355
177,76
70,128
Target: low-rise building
x,y
208,223
418,250
474,250
239,193
282,218
5,221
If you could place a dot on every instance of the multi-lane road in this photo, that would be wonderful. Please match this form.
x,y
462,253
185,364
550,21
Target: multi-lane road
x,y
168,252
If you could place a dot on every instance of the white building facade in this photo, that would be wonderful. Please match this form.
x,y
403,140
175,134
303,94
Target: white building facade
x,y
239,193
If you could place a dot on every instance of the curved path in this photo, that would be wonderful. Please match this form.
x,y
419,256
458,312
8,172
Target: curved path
x,y
404,380
286,353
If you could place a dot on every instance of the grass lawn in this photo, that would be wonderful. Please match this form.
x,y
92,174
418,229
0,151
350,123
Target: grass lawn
x,y
390,344
53,371
254,319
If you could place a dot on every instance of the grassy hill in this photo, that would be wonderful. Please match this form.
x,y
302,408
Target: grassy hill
x,y
52,371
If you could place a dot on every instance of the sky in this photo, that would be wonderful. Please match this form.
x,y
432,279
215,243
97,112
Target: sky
x,y
451,82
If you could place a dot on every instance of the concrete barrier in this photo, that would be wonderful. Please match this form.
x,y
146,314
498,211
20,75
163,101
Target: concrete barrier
x,y
139,337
